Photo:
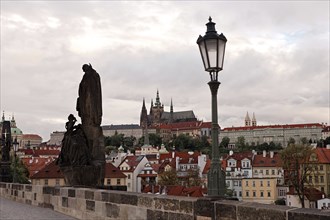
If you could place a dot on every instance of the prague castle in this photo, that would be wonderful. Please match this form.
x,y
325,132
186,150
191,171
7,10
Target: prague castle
x,y
158,116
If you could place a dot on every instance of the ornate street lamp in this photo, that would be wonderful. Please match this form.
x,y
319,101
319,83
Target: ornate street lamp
x,y
15,147
212,48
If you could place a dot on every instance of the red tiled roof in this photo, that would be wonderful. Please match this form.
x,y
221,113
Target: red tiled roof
x,y
31,136
35,164
50,171
207,166
273,126
156,167
323,155
47,152
182,125
238,157
132,161
113,172
311,194
260,161
206,125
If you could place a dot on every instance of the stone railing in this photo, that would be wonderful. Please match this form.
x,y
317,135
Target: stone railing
x,y
85,203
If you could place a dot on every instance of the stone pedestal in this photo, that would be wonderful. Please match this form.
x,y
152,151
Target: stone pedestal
x,y
83,176
5,172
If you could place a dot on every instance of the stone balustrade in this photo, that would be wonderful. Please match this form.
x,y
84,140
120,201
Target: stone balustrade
x,y
88,203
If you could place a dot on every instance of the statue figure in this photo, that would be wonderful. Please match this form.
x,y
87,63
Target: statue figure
x,y
83,145
89,102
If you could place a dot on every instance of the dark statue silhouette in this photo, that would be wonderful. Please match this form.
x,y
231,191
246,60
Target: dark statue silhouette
x,y
82,157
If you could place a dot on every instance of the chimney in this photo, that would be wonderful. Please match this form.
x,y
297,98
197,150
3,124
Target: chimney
x,y
264,153
271,153
231,153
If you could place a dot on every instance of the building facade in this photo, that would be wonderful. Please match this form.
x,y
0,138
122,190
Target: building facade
x,y
157,115
280,134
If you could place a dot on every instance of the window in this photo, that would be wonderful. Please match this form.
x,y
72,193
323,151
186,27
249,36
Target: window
x,y
268,194
246,183
247,193
321,167
322,179
46,182
253,183
316,179
128,176
268,183
57,182
273,172
108,181
267,172
118,181
261,194
254,193
261,183
235,183
261,171
310,179
240,193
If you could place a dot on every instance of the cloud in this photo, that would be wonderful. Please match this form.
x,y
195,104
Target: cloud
x,y
276,63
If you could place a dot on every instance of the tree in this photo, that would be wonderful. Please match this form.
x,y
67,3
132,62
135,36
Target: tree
x,y
291,141
193,178
183,141
224,142
18,171
297,164
154,140
169,177
240,144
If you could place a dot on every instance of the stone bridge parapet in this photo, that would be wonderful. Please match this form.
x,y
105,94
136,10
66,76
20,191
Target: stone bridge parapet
x,y
88,203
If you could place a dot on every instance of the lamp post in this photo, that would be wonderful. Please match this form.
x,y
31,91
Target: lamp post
x,y
15,146
212,49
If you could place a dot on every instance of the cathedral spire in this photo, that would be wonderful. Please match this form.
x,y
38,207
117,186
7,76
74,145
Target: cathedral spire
x,y
254,120
157,99
144,115
171,110
247,120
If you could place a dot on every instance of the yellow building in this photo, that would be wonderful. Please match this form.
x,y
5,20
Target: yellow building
x,y
320,177
113,176
50,175
262,190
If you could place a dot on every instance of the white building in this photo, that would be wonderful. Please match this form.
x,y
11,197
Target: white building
x,y
274,133
323,203
238,166
131,166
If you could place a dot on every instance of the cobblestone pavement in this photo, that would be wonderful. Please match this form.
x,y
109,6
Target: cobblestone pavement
x,y
11,210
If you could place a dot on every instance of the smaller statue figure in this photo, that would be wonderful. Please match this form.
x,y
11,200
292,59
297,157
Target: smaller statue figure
x,y
74,148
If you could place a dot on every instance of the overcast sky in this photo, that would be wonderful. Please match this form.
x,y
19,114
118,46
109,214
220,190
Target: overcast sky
x,y
276,62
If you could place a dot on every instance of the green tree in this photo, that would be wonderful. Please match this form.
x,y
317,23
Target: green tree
x,y
297,163
169,177
18,171
182,142
224,142
291,141
240,144
193,178
154,140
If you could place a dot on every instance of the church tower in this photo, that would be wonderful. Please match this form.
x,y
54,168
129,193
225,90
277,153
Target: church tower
x,y
144,116
254,120
157,110
247,120
171,112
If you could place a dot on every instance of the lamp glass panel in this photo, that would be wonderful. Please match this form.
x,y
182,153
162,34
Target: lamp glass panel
x,y
221,49
203,53
211,46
